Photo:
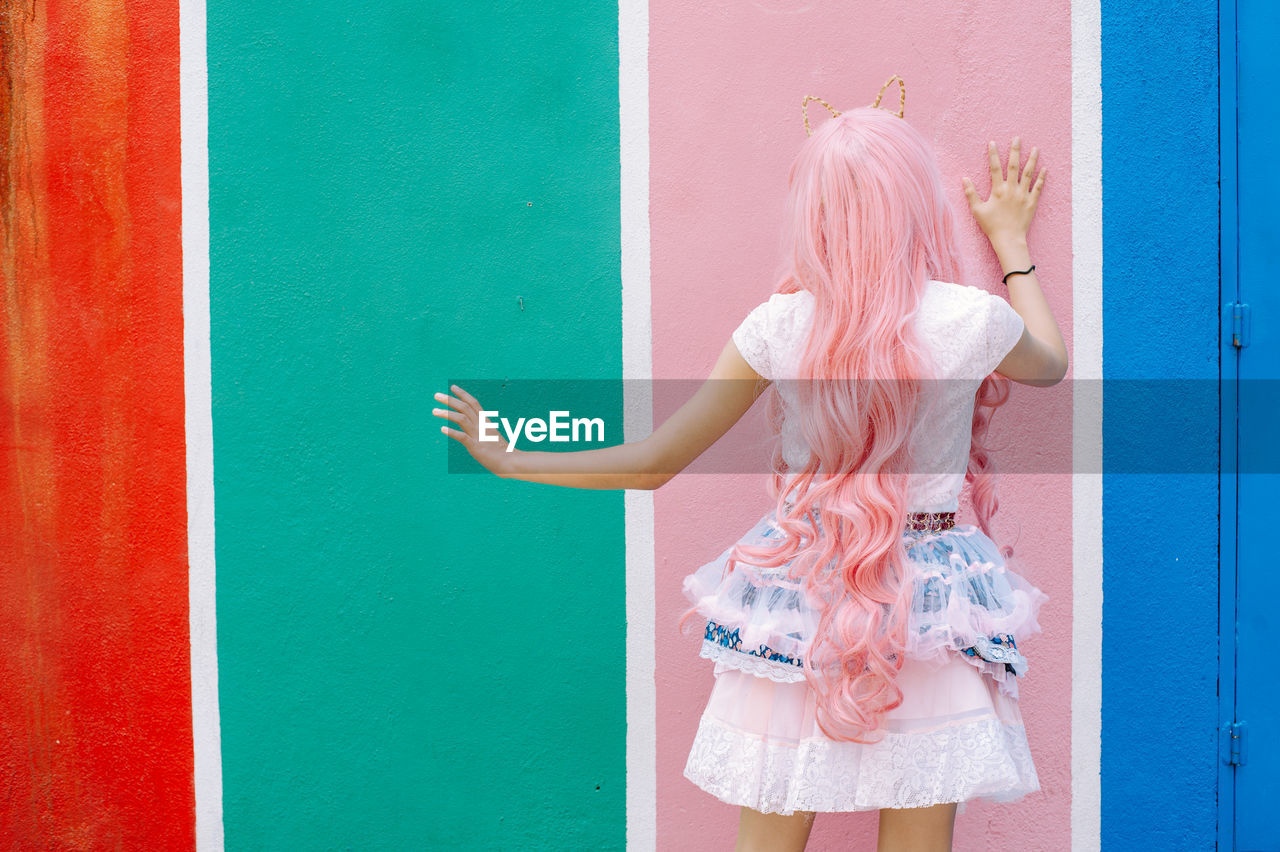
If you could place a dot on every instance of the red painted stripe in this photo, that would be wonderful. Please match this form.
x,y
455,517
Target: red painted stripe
x,y
95,707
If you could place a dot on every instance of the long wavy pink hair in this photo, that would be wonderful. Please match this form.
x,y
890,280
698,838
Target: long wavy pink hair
x,y
867,224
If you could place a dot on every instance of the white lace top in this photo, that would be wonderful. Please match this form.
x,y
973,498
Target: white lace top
x,y
967,330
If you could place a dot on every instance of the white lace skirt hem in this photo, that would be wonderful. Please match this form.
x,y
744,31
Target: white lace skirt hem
x,y
982,758
955,737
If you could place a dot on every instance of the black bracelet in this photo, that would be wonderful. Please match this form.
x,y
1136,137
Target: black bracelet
x,y
1017,272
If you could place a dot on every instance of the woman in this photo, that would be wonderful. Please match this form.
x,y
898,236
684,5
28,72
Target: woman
x,y
865,645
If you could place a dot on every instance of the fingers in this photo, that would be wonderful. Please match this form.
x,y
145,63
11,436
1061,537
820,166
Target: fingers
x,y
1039,184
464,415
1015,158
460,437
993,160
449,414
970,193
470,400
1025,180
464,410
466,404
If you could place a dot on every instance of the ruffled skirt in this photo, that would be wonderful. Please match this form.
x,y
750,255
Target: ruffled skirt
x,y
958,733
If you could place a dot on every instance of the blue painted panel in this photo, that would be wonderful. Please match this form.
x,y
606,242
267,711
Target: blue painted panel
x,y
1257,779
1228,517
1160,530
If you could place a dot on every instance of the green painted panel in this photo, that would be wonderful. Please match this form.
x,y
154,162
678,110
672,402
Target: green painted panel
x,y
405,193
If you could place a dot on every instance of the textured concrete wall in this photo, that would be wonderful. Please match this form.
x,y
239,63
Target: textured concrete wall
x,y
95,707
1160,194
410,659
404,195
727,80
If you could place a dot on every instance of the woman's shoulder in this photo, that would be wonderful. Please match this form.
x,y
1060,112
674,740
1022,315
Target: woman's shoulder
x,y
783,310
950,301
969,326
949,290
790,300
943,301
772,329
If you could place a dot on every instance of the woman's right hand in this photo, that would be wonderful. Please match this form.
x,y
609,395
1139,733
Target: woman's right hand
x,y
464,410
1005,217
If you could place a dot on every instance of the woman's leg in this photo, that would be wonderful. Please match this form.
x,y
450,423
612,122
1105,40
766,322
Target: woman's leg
x,y
917,829
759,832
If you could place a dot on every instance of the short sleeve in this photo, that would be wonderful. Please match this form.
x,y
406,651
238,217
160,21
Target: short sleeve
x,y
1004,329
752,339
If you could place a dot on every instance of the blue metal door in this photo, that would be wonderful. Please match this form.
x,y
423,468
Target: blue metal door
x,y
1249,788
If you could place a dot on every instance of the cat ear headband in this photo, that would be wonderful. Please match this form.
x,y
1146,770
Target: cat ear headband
x,y
902,102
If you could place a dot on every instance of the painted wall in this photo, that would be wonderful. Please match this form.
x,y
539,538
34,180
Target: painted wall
x,y
726,86
402,196
1160,194
95,684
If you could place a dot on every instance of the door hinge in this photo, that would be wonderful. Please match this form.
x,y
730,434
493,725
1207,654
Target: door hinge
x,y
1237,734
1239,324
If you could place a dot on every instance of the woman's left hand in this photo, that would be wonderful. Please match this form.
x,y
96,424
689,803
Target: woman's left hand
x,y
464,410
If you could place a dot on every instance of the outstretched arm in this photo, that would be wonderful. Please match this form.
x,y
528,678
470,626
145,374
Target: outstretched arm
x,y
645,464
1040,357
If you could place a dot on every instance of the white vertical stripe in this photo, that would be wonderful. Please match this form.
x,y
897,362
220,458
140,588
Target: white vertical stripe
x,y
637,370
1086,490
207,733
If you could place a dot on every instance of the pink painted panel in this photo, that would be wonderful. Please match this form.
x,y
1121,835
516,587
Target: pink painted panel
x,y
726,81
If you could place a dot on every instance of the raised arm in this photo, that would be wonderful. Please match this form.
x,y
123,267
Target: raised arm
x,y
1040,357
646,464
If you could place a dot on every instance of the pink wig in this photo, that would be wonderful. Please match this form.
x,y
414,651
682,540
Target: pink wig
x,y
867,224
